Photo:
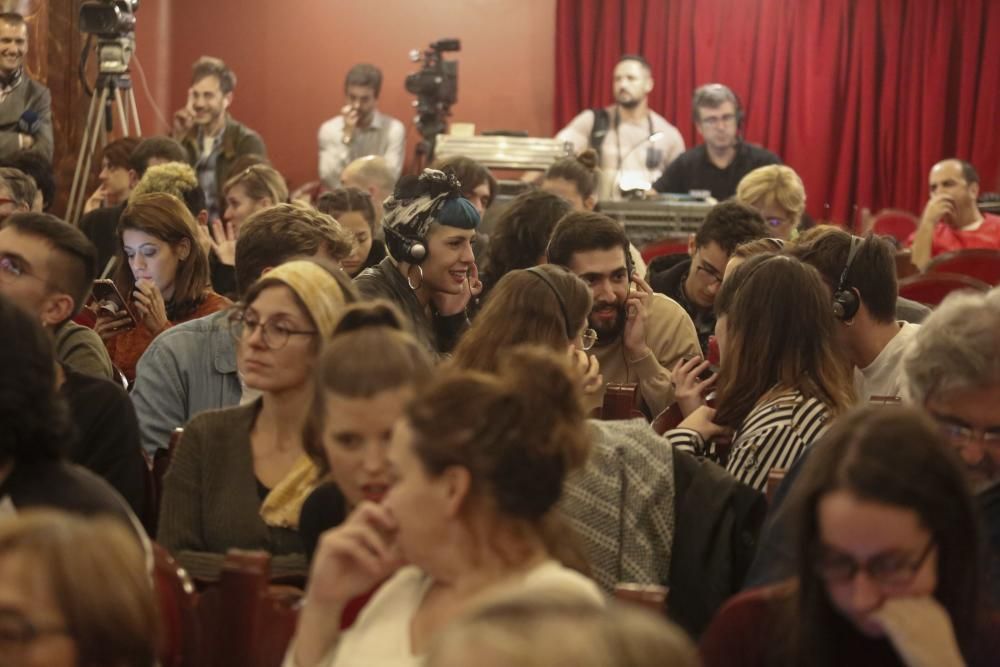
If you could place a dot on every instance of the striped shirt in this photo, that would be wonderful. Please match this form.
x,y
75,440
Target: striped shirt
x,y
773,435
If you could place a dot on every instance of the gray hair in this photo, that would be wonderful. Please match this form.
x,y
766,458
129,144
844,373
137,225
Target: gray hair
x,y
22,187
957,347
712,96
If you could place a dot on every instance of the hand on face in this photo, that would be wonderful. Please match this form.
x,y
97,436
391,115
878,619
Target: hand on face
x,y
354,557
920,631
451,304
940,207
183,121
689,391
591,381
351,116
636,312
149,306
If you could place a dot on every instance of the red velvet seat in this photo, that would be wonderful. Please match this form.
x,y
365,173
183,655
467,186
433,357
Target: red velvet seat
x,y
895,223
667,246
621,401
932,288
175,595
980,263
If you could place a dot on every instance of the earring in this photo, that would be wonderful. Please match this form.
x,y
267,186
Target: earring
x,y
409,280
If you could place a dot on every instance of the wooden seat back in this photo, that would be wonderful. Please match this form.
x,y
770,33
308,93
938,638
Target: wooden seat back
x,y
932,288
979,263
176,599
158,469
621,401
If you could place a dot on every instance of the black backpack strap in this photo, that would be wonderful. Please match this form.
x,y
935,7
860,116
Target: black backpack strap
x,y
602,122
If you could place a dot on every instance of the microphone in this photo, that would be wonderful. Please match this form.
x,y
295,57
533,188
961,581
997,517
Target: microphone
x,y
29,123
630,182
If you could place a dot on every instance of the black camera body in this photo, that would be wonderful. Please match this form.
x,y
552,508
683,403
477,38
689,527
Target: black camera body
x,y
108,18
436,86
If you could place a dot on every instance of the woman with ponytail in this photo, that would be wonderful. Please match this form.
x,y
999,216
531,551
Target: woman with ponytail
x,y
477,469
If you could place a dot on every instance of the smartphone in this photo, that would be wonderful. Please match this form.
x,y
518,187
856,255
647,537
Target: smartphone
x,y
705,374
110,302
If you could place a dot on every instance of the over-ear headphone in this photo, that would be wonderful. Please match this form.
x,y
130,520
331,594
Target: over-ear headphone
x,y
845,300
706,95
403,249
539,273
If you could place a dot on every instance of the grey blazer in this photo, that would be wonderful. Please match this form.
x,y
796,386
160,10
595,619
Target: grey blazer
x,y
29,94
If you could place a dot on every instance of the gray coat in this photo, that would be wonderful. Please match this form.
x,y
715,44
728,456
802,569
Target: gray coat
x,y
29,94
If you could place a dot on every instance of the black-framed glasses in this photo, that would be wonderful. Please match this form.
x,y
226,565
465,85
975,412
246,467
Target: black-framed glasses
x,y
712,274
275,334
890,569
588,339
17,630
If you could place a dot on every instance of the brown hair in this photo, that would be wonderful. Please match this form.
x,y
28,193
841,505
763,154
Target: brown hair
x,y
872,272
469,173
524,308
764,246
780,336
168,219
346,200
517,629
22,187
581,170
521,233
209,66
582,231
517,454
276,234
370,352
79,559
260,181
893,456
118,153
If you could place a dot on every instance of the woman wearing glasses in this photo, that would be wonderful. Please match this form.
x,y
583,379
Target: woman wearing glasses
x,y
777,192
544,305
240,475
161,272
887,559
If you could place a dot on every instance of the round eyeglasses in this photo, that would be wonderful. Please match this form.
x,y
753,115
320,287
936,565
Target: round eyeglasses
x,y
588,339
275,334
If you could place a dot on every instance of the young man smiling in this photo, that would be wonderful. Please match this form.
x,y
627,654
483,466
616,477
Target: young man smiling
x,y
25,104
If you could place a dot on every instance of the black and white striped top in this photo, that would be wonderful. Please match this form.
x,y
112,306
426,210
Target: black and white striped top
x,y
773,435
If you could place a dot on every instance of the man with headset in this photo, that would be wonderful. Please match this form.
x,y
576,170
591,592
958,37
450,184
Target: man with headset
x,y
635,144
861,274
718,164
640,335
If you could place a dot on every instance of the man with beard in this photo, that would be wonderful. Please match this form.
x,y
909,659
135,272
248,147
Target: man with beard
x,y
640,335
25,104
718,164
635,144
360,129
212,138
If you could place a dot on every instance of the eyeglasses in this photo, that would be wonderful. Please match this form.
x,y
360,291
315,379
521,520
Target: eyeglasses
x,y
712,274
11,269
17,631
776,222
891,570
588,339
962,435
274,334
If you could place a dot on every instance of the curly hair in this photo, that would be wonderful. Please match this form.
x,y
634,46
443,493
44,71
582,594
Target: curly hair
x,y
34,421
173,178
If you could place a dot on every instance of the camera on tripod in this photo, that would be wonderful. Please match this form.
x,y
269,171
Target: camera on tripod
x,y
113,23
436,86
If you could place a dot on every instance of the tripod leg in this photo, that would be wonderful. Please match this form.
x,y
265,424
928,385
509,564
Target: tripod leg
x,y
87,144
130,94
122,117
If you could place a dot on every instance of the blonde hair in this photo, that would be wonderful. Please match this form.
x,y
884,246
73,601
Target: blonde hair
x,y
79,558
173,178
774,184
260,181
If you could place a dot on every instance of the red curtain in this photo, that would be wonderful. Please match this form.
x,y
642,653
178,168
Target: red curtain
x,y
860,97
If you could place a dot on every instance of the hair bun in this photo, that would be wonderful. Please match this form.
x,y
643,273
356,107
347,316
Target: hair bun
x,y
373,314
588,158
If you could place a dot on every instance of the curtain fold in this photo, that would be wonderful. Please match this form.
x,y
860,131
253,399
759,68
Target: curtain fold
x,y
859,97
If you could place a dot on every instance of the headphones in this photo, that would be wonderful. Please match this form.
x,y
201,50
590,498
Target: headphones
x,y
724,91
403,249
845,300
535,271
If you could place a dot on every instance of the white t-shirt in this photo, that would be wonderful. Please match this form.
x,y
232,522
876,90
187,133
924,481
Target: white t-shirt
x,y
882,379
381,635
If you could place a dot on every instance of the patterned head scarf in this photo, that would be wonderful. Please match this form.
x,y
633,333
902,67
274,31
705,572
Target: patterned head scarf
x,y
433,197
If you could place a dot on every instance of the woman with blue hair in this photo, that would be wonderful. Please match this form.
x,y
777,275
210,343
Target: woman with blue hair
x,y
430,272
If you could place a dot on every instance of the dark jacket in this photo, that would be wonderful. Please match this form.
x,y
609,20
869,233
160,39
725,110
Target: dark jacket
x,y
101,227
438,333
28,95
237,140
718,521
670,282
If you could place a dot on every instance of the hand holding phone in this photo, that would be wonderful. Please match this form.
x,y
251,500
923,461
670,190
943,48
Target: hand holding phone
x,y
113,314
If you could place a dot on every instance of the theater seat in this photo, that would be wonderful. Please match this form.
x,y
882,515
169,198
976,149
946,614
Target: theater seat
x,y
158,468
895,223
667,246
980,263
621,401
932,288
175,596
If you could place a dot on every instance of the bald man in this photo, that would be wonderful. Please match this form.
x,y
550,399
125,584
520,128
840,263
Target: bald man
x,y
373,175
951,219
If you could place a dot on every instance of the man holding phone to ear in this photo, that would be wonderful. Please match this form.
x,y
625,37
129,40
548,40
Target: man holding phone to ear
x,y
640,335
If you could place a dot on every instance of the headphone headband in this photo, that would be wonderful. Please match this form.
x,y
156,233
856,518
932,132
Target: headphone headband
x,y
539,273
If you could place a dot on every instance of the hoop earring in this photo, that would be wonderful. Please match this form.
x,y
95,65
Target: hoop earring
x,y
409,280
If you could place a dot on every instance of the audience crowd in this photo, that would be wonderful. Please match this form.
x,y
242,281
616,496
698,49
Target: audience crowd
x,y
459,442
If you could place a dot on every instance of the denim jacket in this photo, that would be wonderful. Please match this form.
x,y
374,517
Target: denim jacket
x,y
187,369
